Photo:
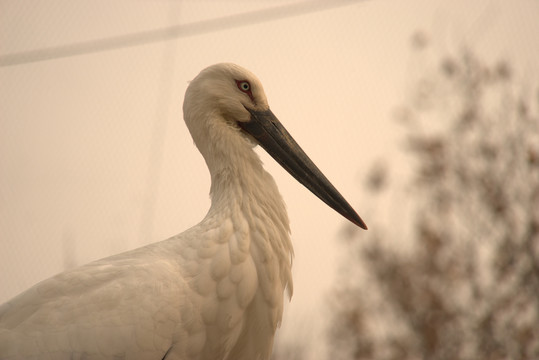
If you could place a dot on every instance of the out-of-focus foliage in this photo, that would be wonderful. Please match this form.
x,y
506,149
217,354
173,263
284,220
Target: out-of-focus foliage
x,y
468,285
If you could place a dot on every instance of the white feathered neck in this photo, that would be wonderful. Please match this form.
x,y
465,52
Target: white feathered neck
x,y
240,187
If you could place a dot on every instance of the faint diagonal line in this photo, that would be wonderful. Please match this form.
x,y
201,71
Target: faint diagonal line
x,y
169,33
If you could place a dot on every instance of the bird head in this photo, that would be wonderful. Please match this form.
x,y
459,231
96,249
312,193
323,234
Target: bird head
x,y
226,90
226,110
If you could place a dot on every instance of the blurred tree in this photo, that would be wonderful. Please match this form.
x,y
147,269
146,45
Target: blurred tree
x,y
467,287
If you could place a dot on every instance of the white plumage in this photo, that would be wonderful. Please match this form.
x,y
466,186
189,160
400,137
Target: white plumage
x,y
214,291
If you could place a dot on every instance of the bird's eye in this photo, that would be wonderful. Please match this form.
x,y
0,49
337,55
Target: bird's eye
x,y
244,86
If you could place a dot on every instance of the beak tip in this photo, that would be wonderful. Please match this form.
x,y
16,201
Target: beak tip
x,y
359,222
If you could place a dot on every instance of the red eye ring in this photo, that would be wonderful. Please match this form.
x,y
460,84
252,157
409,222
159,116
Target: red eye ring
x,y
245,87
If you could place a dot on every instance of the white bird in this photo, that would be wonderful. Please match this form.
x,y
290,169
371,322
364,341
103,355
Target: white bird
x,y
214,291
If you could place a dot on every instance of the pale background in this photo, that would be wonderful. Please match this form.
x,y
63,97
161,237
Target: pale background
x,y
95,158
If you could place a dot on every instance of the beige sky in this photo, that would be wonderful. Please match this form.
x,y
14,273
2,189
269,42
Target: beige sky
x,y
95,158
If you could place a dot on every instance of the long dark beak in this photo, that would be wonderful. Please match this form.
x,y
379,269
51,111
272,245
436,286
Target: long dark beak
x,y
276,140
